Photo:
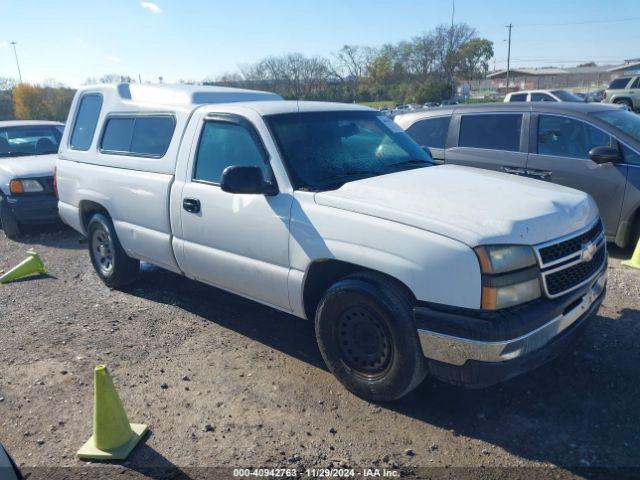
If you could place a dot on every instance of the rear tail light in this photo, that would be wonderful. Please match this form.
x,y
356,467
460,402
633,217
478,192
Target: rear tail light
x,y
55,181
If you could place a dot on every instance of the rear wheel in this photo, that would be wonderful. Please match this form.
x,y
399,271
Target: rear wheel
x,y
10,224
114,267
624,101
367,337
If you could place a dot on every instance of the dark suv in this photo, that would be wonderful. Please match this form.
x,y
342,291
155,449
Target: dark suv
x,y
591,147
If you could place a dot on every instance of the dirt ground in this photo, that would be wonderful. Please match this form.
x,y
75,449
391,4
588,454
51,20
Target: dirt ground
x,y
224,382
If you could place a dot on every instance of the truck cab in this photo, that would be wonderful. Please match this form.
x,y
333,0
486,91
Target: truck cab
x,y
330,212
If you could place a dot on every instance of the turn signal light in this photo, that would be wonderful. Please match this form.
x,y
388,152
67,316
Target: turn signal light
x,y
15,186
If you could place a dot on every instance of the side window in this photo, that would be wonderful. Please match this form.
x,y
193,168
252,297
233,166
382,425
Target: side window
x,y
518,97
494,132
86,121
541,97
431,132
567,137
145,136
636,83
630,156
223,145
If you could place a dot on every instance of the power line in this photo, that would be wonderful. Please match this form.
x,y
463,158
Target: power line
x,y
588,22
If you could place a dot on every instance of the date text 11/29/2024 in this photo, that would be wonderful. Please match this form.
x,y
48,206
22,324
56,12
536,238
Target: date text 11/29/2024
x,y
317,472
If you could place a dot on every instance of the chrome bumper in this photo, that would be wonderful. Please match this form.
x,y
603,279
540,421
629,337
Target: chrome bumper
x,y
457,351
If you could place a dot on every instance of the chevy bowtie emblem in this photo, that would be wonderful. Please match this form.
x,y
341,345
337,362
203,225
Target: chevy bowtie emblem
x,y
588,251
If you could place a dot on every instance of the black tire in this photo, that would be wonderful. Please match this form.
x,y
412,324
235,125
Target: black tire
x,y
10,224
624,101
373,315
114,267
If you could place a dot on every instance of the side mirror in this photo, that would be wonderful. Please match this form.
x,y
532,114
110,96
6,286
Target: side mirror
x,y
604,154
426,150
245,180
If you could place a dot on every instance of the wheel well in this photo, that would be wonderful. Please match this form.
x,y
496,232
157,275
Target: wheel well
x,y
88,209
324,273
622,99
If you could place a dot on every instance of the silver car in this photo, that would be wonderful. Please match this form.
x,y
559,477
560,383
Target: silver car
x,y
588,146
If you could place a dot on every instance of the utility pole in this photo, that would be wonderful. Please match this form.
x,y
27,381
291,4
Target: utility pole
x,y
453,12
508,57
17,63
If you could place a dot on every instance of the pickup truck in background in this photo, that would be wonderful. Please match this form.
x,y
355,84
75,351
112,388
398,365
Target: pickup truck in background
x,y
28,152
332,213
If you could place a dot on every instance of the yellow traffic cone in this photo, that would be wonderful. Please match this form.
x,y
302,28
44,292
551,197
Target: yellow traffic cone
x,y
634,261
32,264
113,436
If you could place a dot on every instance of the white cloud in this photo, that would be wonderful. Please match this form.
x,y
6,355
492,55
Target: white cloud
x,y
152,7
113,59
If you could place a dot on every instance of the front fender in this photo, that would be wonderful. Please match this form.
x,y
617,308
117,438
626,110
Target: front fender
x,y
435,268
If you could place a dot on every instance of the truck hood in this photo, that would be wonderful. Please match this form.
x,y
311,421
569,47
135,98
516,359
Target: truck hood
x,y
25,167
470,205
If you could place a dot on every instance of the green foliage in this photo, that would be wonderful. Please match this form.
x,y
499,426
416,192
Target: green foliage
x,y
41,103
422,69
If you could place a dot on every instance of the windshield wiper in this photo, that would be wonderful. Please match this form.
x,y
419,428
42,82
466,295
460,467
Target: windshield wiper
x,y
340,179
413,161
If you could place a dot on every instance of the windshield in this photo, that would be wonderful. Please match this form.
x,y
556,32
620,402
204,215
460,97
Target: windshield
x,y
29,140
565,96
623,120
324,150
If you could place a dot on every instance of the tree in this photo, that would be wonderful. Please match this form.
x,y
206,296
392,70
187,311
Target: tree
x,y
588,64
41,103
473,58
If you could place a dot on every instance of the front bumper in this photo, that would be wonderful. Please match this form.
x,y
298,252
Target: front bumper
x,y
480,355
34,209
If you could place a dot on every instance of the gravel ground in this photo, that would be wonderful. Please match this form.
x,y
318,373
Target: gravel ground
x,y
224,382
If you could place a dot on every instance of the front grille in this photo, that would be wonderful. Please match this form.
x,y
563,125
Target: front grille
x,y
571,246
566,279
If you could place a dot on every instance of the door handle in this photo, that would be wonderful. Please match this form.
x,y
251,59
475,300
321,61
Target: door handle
x,y
191,205
514,170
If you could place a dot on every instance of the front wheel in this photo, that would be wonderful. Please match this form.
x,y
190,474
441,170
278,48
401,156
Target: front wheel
x,y
624,101
10,224
114,267
368,339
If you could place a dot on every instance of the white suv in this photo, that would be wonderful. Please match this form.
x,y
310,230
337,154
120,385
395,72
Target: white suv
x,y
332,213
543,96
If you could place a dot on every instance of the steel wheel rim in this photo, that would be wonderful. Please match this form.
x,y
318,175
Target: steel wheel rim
x,y
102,251
364,342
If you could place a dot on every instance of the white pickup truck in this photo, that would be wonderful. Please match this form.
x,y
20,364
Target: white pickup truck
x,y
330,212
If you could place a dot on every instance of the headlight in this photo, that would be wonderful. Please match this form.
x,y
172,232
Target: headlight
x,y
509,275
25,186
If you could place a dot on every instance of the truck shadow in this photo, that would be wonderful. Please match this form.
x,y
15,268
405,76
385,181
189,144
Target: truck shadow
x,y
581,410
56,235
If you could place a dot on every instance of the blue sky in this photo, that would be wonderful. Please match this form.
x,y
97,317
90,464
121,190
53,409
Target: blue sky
x,y
70,40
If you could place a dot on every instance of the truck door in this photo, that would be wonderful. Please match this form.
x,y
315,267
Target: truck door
x,y
491,140
560,154
237,242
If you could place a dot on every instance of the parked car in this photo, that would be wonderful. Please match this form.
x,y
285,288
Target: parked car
x,y
542,96
589,146
594,96
331,212
624,91
27,158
